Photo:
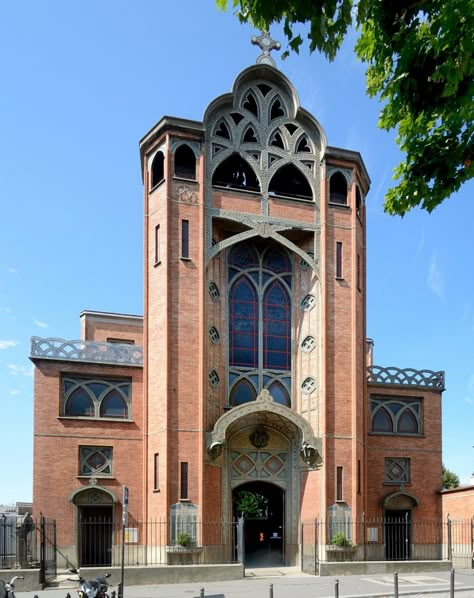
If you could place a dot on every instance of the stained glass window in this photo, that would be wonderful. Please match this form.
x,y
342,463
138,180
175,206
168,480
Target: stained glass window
x,y
79,404
276,328
395,416
113,405
96,398
259,332
243,324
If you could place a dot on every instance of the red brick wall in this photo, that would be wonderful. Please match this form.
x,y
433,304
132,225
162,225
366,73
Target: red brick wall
x,y
57,441
423,451
458,503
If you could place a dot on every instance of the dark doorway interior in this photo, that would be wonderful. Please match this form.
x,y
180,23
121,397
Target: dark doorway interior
x,y
263,506
95,533
397,535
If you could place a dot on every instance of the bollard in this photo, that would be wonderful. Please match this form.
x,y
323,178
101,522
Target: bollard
x,y
336,589
271,591
119,590
201,593
451,584
395,584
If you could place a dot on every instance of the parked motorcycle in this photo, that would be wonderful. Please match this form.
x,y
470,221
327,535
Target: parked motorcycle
x,y
96,588
7,587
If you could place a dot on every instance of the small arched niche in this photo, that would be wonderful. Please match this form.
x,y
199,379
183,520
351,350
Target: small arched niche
x,y
338,189
289,181
185,162
157,169
235,173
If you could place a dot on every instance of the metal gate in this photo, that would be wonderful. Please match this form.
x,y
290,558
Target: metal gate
x,y
309,547
48,564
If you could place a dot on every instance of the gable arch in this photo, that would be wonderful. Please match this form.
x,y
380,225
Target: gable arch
x,y
265,231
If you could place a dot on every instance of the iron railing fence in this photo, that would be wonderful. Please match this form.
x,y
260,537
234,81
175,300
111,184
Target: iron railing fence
x,y
394,538
158,542
18,542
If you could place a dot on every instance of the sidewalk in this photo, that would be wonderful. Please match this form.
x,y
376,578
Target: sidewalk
x,y
290,582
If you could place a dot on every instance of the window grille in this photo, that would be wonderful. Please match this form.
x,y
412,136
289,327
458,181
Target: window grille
x,y
214,334
308,344
309,384
214,292
213,378
308,302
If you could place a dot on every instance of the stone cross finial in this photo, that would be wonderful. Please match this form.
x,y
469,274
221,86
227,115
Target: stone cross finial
x,y
266,45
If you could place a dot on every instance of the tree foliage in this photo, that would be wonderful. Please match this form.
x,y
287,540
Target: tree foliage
x,y
419,57
250,504
450,479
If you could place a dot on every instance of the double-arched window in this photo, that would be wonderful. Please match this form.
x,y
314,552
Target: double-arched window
x,y
395,416
96,398
259,278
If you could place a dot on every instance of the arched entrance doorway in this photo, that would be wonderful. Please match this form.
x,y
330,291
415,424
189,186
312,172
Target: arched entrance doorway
x,y
95,521
262,505
398,508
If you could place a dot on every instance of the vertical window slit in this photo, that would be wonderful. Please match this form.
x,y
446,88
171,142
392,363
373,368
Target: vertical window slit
x,y
157,244
185,239
156,472
338,259
184,480
339,483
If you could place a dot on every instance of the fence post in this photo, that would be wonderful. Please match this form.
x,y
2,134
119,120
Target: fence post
x,y
450,539
364,536
42,571
316,546
395,584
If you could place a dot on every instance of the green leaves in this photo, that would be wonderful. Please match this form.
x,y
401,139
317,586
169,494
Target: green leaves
x,y
419,57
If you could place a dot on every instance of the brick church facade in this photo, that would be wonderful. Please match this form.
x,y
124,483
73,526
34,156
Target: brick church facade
x,y
250,373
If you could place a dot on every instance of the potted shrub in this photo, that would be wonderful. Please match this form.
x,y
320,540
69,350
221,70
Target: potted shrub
x,y
340,548
184,540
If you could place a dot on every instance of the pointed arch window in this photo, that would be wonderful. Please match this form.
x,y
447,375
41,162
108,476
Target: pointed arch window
x,y
250,104
277,110
303,145
157,169
82,397
276,328
79,404
276,140
113,405
338,189
249,135
289,181
242,392
185,162
235,173
279,393
259,320
222,130
243,324
396,416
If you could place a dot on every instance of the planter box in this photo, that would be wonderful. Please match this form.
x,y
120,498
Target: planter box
x,y
340,553
183,555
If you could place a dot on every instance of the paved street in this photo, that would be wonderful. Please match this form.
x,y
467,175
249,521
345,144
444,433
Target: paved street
x,y
288,582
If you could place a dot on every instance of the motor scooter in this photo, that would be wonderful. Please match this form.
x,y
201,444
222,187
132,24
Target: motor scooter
x,y
96,588
7,587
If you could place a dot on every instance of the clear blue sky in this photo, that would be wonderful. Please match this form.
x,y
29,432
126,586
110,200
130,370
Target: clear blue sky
x,y
81,83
